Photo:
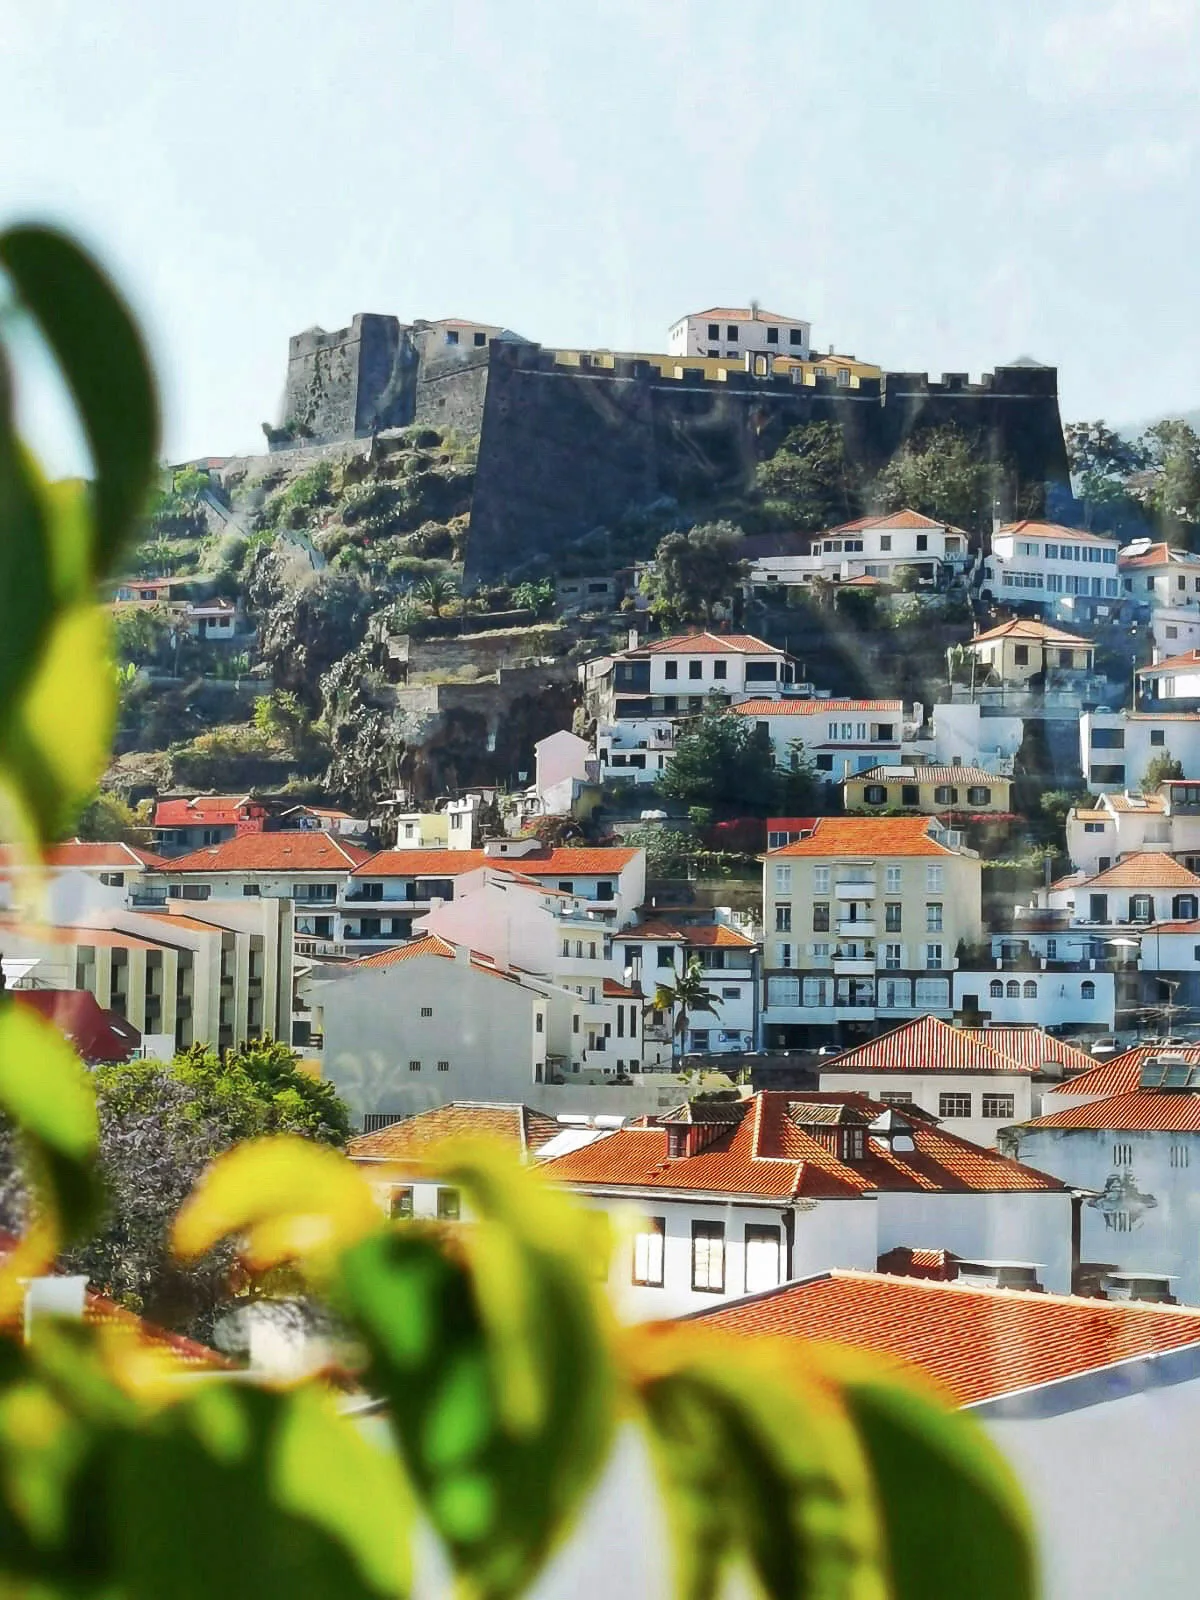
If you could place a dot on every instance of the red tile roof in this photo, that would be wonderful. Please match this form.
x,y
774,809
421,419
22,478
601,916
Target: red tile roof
x,y
769,1153
411,1139
1032,1047
1189,659
114,857
1147,804
304,850
904,1262
977,1343
893,519
811,708
867,836
431,944
1157,555
94,1033
930,774
1121,1074
705,936
1140,1111
926,1045
704,643
745,314
561,862
213,809
1145,869
1028,628
1055,530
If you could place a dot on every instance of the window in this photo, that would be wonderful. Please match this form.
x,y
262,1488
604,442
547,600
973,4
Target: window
x,y
451,336
539,1023
400,1202
695,669
1093,827
733,993
648,1244
783,917
671,669
796,336
910,795
892,957
933,880
933,916
414,1066
954,1105
932,994
785,955
1122,1155
821,917
1108,738
998,1105
820,951
708,1257
1141,908
996,989
1157,736
1021,655
783,991
783,880
892,916
251,889
820,880
731,334
922,541
720,669
426,1011
885,542
772,335
896,1097
700,1038
443,1066
665,956
762,1257
1180,1155
977,795
894,994
818,992
933,957
875,794
1013,989
893,879
449,1205
1108,774
714,332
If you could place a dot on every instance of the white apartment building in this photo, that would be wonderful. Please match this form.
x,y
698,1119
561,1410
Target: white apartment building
x,y
1069,573
967,732
1043,979
1155,574
1117,747
863,917
677,676
734,331
661,951
1122,824
1172,679
838,736
871,547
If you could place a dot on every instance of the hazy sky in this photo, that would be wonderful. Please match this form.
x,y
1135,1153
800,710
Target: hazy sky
x,y
943,185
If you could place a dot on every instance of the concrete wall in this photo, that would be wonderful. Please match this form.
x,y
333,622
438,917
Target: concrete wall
x,y
928,1088
1003,1227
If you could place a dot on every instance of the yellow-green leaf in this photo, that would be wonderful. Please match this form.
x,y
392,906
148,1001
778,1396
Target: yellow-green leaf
x,y
287,1198
490,1344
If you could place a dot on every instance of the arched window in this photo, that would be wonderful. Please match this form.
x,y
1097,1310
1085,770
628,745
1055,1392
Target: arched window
x,y
977,795
944,795
1087,990
1014,989
875,794
997,989
1030,989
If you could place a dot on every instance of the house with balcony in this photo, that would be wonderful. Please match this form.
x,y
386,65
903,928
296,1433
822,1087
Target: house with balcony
x,y
1024,653
215,621
931,790
1067,573
838,736
661,951
1117,747
728,1198
1037,972
871,547
185,822
965,730
1122,824
863,918
1155,574
83,874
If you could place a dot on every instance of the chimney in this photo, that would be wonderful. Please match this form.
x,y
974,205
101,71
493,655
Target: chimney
x,y
58,1296
462,952
633,638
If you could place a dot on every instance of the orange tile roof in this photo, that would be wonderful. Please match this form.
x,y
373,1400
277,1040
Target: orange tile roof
x,y
182,811
411,1139
927,1045
1139,1111
744,314
1032,1047
562,861
1158,555
867,836
1055,530
180,919
115,857
707,935
705,643
768,1153
976,1343
1145,869
1120,1074
968,775
620,991
1028,628
1189,658
1146,804
893,519
303,850
811,708
430,944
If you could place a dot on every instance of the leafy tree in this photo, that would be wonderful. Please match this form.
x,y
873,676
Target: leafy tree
x,y
1172,451
942,474
107,817
281,717
142,634
436,591
686,997
1163,768
809,482
723,762
1101,464
696,571
536,597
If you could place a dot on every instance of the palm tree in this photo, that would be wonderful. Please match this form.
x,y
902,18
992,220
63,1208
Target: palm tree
x,y
685,996
436,591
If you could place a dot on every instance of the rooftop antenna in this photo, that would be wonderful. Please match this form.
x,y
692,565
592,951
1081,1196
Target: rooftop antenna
x,y
754,306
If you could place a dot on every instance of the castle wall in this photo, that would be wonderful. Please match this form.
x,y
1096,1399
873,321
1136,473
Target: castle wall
x,y
450,394
344,384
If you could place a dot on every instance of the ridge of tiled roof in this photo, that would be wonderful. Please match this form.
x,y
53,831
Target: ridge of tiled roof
x,y
787,706
768,1154
930,774
867,836
297,850
1033,1046
906,518
1120,1074
706,935
584,862
1030,628
1137,1111
705,642
743,314
1144,869
430,944
412,1138
1159,554
927,1044
1055,530
976,1343
1189,658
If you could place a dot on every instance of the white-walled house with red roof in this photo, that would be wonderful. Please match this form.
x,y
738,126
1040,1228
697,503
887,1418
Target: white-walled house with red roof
x,y
184,822
660,951
718,1199
1069,573
1154,574
873,546
840,737
1122,823
1117,747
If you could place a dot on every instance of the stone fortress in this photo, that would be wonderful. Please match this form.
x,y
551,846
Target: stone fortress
x,y
571,441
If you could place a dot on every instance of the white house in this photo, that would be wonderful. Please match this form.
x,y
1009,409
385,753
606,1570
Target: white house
x,y
839,736
563,764
1052,979
953,1074
1175,629
967,732
214,620
1117,747
1155,574
871,547
1147,887
725,1198
676,676
733,331
1173,678
1122,824
1137,1153
661,951
1067,572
